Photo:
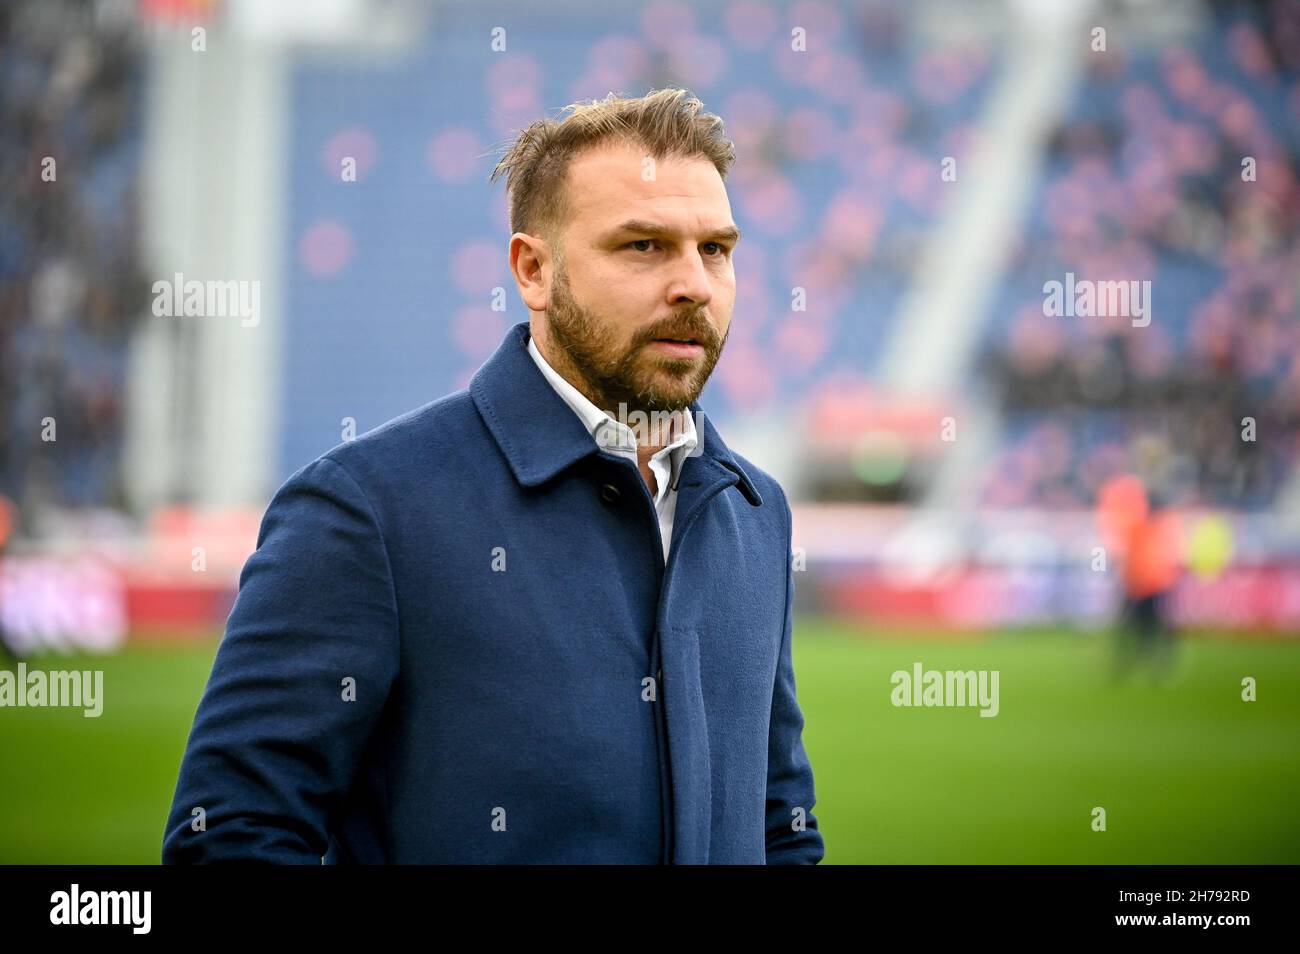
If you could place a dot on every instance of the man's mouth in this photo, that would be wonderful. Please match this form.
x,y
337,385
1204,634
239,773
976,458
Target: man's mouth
x,y
682,347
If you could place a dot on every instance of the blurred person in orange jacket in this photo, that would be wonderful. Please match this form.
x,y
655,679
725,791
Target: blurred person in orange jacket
x,y
1147,541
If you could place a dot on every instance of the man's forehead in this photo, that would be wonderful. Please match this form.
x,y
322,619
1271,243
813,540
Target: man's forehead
x,y
607,185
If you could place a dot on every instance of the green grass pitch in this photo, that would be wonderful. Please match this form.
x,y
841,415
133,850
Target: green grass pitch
x,y
1186,771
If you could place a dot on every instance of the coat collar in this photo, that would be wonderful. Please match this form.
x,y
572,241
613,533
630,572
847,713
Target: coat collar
x,y
539,434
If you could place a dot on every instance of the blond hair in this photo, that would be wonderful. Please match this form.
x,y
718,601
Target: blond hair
x,y
666,122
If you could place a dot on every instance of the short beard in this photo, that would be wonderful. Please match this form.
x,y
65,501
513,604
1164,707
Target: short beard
x,y
630,375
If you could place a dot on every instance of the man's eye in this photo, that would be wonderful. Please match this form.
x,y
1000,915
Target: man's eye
x,y
721,249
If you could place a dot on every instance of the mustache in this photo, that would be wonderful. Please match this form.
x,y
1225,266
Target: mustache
x,y
694,326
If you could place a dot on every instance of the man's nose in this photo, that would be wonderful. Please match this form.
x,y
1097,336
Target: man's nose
x,y
690,280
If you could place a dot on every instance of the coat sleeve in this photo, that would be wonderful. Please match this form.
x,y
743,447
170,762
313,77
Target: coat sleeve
x,y
298,684
792,835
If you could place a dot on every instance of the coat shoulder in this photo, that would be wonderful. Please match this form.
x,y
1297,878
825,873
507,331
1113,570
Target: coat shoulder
x,y
392,445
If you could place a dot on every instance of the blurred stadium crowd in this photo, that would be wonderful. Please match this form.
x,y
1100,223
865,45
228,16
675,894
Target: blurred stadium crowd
x,y
71,280
1143,177
1146,177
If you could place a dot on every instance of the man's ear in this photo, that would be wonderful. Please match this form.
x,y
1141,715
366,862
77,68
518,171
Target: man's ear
x,y
529,261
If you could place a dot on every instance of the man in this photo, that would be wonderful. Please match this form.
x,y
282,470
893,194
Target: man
x,y
1147,541
510,626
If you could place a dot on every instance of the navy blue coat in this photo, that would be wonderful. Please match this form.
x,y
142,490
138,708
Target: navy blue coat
x,y
457,641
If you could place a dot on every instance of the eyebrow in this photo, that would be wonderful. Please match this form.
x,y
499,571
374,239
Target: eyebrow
x,y
729,233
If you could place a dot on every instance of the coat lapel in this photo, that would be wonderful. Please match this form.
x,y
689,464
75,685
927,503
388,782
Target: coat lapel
x,y
537,432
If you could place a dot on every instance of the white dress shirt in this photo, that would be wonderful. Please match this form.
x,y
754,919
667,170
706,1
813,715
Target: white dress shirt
x,y
617,438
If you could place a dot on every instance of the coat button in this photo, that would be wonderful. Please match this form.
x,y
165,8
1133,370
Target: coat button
x,y
610,494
